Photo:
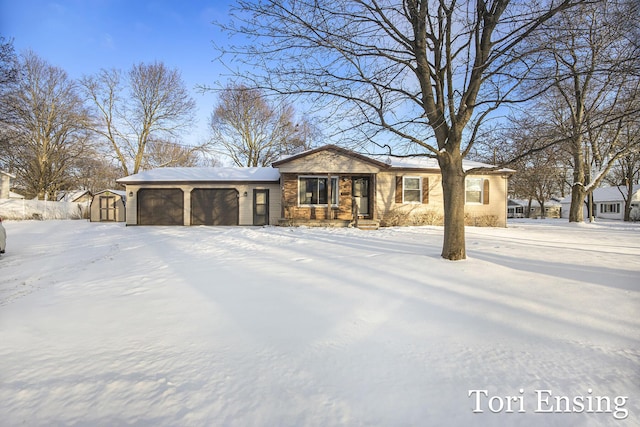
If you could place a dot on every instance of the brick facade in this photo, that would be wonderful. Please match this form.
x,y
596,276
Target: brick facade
x,y
292,210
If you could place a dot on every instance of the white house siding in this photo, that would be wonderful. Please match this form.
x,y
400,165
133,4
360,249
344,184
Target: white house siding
x,y
5,183
496,209
245,203
497,206
386,194
603,196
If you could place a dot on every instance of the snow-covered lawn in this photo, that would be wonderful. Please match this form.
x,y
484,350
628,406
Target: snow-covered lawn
x,y
102,324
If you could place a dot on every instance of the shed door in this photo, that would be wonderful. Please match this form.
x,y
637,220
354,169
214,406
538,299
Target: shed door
x,y
160,206
107,208
214,206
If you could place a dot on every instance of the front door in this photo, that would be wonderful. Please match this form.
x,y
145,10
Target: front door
x,y
260,207
361,195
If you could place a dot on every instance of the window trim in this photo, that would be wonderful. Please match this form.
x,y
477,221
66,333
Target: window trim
x,y
419,190
610,208
334,194
481,200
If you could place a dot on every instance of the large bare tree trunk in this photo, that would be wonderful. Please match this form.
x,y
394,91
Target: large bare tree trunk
x,y
576,210
453,188
627,200
578,189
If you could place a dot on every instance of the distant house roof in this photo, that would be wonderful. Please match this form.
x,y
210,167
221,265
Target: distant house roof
x,y
203,174
534,203
609,194
72,196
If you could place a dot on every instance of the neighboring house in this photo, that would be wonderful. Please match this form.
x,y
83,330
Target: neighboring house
x,y
608,202
14,195
82,198
75,196
203,196
5,184
109,206
324,186
516,208
552,209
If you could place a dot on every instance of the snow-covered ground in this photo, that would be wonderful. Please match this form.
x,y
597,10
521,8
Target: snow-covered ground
x,y
102,324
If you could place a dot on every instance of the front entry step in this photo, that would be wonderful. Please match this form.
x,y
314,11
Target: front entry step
x,y
368,224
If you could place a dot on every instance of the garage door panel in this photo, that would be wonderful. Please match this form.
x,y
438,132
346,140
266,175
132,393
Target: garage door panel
x,y
214,206
160,206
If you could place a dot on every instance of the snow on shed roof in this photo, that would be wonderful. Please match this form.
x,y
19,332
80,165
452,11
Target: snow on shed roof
x,y
204,174
121,193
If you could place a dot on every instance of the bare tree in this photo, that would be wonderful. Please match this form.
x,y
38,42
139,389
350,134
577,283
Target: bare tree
x,y
8,78
594,91
91,172
46,125
426,72
169,153
252,131
626,172
157,107
539,163
8,62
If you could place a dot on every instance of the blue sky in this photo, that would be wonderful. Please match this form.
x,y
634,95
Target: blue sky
x,y
83,36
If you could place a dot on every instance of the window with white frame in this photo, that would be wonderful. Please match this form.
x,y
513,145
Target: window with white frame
x,y
313,190
610,208
474,188
411,189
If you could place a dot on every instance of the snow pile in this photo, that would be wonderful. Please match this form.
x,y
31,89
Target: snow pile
x,y
103,324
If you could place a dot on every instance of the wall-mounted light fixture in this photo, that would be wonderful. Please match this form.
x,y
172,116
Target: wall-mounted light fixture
x,y
245,194
130,193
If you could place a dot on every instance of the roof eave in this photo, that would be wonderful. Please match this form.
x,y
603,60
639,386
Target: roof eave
x,y
191,182
331,147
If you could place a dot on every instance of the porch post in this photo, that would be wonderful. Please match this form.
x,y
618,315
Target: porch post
x,y
329,196
372,197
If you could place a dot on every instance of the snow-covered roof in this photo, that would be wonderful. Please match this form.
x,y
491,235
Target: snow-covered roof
x,y
608,194
396,162
120,193
421,162
204,174
534,203
71,196
14,195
